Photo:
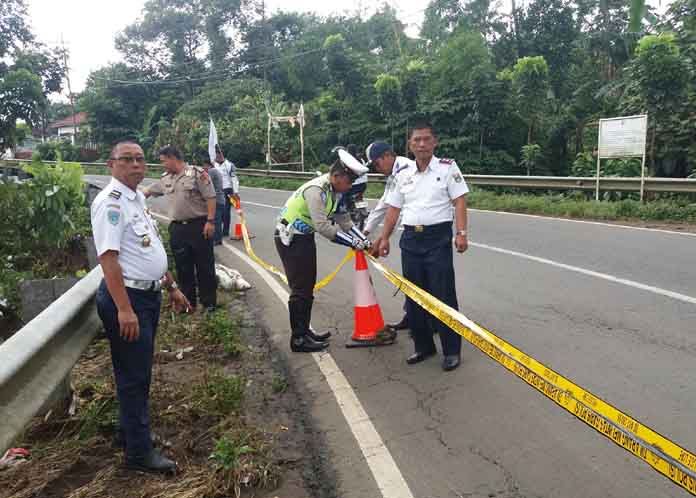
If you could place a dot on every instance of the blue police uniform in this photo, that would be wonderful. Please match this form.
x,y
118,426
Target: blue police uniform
x,y
121,222
425,199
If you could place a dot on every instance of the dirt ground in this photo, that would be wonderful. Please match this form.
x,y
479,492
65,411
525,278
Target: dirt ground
x,y
232,389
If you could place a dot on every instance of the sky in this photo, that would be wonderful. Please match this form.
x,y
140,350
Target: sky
x,y
88,27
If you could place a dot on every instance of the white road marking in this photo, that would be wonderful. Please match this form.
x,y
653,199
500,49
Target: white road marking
x,y
577,269
387,475
261,205
547,218
591,273
599,223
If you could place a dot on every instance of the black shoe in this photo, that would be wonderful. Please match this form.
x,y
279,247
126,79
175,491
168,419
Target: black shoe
x,y
450,362
402,325
152,462
305,344
418,357
318,337
218,242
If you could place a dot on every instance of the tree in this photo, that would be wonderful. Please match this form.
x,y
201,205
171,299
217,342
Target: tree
x,y
388,90
659,79
28,71
14,27
530,87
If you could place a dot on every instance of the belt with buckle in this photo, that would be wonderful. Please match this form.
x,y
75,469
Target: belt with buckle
x,y
192,220
428,228
146,285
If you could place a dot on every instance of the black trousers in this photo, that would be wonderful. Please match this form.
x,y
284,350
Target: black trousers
x,y
132,362
426,259
195,261
300,264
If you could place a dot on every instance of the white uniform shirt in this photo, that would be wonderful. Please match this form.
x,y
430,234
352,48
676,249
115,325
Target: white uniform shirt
x,y
425,198
122,223
228,171
380,210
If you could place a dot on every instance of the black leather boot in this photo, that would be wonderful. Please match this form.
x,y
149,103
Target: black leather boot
x,y
154,461
311,333
305,344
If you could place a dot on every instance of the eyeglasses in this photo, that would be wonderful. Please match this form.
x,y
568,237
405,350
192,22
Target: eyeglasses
x,y
132,159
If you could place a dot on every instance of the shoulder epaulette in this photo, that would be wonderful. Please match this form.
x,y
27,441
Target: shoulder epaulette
x,y
447,161
400,168
115,194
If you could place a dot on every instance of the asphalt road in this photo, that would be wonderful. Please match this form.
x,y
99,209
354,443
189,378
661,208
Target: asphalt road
x,y
624,332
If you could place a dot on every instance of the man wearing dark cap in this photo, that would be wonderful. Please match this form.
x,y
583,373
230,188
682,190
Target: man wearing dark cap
x,y
382,158
312,208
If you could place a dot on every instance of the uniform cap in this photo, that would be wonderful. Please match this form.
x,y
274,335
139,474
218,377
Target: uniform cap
x,y
351,163
375,151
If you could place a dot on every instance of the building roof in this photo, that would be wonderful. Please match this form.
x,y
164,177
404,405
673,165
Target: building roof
x,y
80,119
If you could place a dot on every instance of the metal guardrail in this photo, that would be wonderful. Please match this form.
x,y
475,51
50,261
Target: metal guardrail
x,y
682,185
36,360
612,184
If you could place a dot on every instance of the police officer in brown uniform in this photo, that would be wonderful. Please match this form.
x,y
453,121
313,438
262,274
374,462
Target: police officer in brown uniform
x,y
191,197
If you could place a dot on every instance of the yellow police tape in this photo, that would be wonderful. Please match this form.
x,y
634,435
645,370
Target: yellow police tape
x,y
674,462
317,287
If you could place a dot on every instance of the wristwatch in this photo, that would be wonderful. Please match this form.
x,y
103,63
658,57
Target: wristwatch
x,y
210,221
461,232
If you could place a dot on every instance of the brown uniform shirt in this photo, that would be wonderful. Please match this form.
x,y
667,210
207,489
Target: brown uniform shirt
x,y
186,192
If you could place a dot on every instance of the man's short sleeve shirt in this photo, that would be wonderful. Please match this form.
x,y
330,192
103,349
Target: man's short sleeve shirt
x,y
121,222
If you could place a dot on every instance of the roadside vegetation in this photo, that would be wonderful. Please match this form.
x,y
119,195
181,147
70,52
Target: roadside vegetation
x,y
669,209
44,222
206,393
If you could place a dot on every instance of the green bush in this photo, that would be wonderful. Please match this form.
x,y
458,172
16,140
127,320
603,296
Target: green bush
x,y
44,221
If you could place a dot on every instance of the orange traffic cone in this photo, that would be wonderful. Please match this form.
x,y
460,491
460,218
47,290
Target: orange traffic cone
x,y
369,324
237,204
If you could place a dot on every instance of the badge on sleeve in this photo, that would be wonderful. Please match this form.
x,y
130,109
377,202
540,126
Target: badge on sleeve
x,y
113,216
458,177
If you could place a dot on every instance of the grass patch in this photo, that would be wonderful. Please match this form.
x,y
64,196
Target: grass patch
x,y
243,460
220,394
223,330
564,205
279,384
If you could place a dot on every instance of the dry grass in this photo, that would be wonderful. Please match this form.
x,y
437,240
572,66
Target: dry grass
x,y
197,406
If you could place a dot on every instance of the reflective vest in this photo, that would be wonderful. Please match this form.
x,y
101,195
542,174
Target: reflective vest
x,y
296,211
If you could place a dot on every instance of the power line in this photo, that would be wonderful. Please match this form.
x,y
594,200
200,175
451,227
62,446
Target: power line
x,y
253,48
214,74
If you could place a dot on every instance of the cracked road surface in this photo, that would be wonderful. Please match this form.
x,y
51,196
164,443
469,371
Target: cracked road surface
x,y
479,431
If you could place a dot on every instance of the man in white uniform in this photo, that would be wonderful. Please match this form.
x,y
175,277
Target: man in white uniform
x,y
134,262
230,185
425,193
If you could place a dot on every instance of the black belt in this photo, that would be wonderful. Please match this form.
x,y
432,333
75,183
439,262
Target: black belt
x,y
192,220
428,228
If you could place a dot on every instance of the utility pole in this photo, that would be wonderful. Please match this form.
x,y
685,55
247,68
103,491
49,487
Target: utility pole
x,y
264,39
70,94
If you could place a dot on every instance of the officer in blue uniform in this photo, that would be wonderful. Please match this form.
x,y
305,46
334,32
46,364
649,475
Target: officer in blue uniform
x,y
424,194
134,262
